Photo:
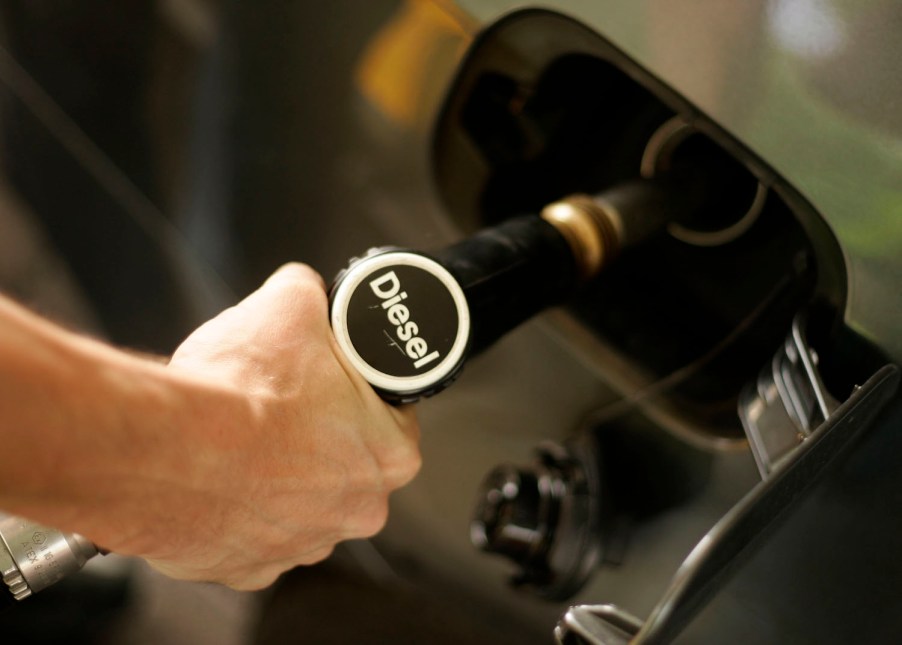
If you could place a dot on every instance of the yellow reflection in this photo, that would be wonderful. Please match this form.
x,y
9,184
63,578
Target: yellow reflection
x,y
407,65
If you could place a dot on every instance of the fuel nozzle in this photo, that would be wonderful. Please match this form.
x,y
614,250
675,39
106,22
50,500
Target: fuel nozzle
x,y
408,320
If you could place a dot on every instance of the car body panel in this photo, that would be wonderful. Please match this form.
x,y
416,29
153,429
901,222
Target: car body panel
x,y
810,86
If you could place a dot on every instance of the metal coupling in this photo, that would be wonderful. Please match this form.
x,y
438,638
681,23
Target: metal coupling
x,y
34,557
598,227
592,228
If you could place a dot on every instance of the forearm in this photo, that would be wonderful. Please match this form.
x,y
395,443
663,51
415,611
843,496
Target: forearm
x,y
85,424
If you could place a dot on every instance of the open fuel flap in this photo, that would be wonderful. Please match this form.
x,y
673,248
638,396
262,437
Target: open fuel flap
x,y
726,311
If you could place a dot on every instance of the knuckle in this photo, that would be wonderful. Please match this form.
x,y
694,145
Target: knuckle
x,y
375,518
404,465
315,556
411,466
293,269
256,582
400,460
321,554
300,276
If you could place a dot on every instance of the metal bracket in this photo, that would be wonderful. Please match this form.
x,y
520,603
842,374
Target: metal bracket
x,y
786,404
596,625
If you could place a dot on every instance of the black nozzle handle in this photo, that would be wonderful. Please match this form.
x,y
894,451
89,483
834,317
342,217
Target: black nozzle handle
x,y
408,320
509,273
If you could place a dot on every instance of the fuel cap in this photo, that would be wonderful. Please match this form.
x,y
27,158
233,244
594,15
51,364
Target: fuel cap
x,y
403,321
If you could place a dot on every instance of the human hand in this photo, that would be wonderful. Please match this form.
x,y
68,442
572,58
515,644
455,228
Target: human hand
x,y
289,451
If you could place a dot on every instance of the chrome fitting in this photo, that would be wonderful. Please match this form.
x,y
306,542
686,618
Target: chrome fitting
x,y
34,557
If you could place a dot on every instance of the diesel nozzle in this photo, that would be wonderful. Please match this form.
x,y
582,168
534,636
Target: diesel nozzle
x,y
408,320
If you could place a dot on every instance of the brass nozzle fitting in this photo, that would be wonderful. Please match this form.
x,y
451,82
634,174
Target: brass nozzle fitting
x,y
592,227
